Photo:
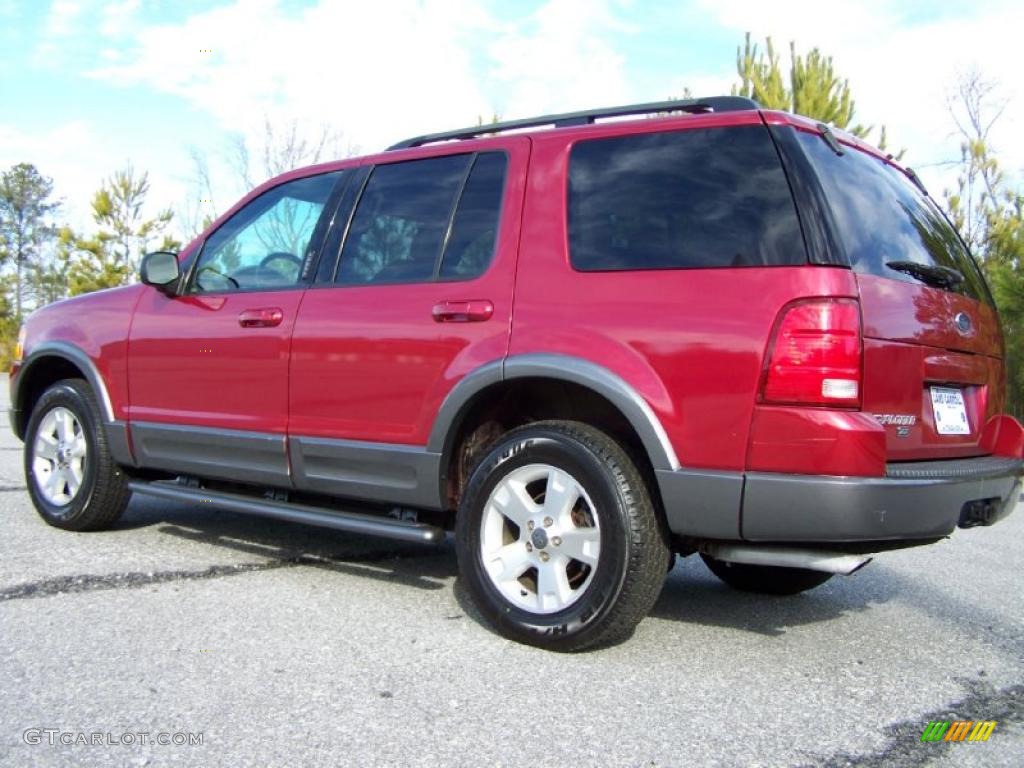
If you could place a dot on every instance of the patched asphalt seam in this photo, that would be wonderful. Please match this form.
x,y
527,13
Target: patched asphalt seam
x,y
905,748
134,580
96,583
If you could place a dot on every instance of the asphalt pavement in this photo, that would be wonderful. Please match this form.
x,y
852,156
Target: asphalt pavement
x,y
277,644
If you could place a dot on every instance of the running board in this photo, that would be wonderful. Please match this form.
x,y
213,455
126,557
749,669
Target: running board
x,y
787,557
352,522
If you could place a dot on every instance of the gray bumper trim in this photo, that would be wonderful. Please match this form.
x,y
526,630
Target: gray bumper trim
x,y
118,443
981,467
914,502
794,508
702,503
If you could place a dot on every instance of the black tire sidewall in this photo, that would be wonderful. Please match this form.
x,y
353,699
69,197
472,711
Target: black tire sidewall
x,y
545,446
66,395
766,579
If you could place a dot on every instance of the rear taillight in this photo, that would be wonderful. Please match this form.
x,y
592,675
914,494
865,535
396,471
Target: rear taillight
x,y
815,355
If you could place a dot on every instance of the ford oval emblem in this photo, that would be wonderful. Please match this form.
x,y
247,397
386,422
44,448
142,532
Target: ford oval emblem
x,y
963,323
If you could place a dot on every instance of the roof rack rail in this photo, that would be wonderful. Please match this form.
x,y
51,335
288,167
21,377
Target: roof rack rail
x,y
588,116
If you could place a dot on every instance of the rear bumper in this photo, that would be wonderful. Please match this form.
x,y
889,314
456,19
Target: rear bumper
x,y
915,501
919,500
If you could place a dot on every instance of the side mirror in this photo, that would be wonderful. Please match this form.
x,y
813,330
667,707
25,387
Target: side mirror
x,y
160,269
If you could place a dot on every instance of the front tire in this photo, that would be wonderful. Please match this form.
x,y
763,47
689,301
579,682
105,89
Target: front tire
x,y
558,540
73,481
766,579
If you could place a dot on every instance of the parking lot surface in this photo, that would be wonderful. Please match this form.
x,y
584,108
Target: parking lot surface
x,y
279,644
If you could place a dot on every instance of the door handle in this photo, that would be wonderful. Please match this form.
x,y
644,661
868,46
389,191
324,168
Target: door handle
x,y
266,317
474,311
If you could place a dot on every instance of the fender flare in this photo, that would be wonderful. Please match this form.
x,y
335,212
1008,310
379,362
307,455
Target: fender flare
x,y
73,355
118,440
566,368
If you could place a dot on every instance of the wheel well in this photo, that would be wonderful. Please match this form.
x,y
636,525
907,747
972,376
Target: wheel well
x,y
38,379
504,406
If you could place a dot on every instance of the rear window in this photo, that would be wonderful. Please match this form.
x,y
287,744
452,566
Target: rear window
x,y
681,200
426,220
400,223
882,217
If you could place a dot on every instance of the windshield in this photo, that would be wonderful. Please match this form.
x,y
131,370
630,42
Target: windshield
x,y
883,219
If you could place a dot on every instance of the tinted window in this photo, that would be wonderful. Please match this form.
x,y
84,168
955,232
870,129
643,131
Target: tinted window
x,y
687,199
881,217
263,246
475,229
401,221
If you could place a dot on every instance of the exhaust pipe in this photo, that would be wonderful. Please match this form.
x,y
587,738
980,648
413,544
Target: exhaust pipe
x,y
980,512
786,557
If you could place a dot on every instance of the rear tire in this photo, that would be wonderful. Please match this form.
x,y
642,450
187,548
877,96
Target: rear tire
x,y
72,479
766,579
557,538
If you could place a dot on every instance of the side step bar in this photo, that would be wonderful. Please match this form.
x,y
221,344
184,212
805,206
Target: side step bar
x,y
353,522
787,557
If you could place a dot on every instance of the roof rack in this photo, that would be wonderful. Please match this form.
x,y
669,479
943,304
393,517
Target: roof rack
x,y
588,116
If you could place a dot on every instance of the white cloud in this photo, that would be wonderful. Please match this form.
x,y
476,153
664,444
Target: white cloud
x,y
377,71
558,59
60,25
61,21
383,70
119,18
73,155
64,153
330,63
901,65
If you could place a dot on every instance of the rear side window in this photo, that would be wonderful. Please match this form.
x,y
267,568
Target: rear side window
x,y
882,217
475,228
425,220
681,200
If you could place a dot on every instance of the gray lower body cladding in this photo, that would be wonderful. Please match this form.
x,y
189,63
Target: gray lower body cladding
x,y
915,501
378,472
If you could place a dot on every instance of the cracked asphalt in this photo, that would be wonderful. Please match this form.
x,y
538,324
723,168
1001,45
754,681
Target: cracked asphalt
x,y
287,645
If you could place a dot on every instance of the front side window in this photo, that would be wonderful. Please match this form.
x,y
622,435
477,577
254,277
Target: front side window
x,y
264,245
425,220
689,199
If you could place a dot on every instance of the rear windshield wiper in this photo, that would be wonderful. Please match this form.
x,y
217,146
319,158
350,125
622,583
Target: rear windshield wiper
x,y
929,274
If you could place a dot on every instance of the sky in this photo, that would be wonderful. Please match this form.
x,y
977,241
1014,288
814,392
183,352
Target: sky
x,y
88,87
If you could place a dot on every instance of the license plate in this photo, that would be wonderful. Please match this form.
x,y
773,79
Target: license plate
x,y
950,411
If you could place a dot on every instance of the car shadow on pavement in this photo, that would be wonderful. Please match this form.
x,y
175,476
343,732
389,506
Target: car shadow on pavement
x,y
692,595
414,565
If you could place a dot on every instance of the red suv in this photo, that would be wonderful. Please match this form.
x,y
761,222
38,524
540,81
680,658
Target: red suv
x,y
583,345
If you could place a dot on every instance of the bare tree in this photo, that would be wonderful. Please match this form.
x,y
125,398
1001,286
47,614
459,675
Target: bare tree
x,y
282,147
975,106
199,210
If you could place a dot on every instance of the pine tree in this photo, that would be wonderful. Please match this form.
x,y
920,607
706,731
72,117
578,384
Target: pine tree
x,y
26,207
109,257
49,276
812,88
